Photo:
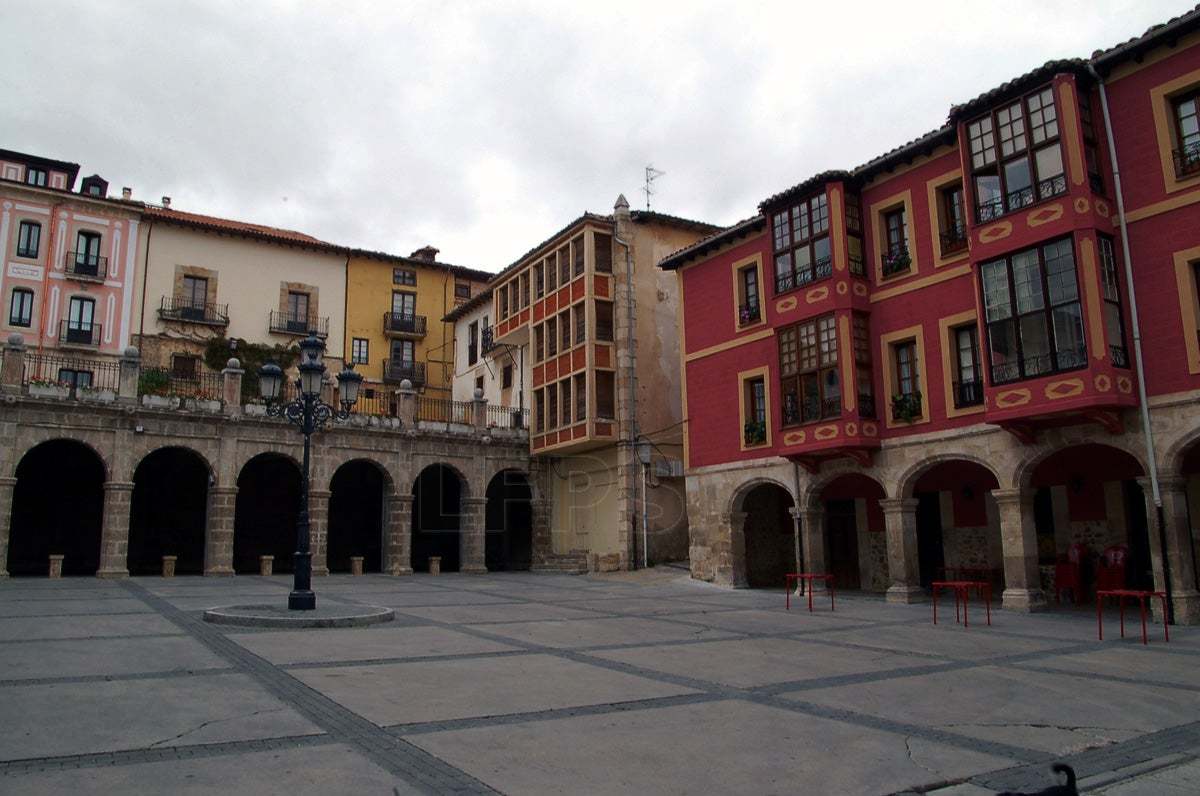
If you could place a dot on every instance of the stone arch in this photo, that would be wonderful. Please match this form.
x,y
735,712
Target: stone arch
x,y
738,500
266,511
168,510
844,530
521,467
196,452
763,533
57,508
440,493
389,480
508,521
359,489
1022,476
811,498
907,480
41,439
1176,454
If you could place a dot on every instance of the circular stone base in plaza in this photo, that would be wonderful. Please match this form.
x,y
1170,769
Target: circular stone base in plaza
x,y
281,616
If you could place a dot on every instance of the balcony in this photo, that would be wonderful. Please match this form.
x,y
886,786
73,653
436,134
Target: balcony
x,y
77,333
954,240
895,260
1020,199
1187,160
297,324
1039,365
755,433
968,393
175,308
748,314
397,370
487,340
821,269
906,407
398,324
86,267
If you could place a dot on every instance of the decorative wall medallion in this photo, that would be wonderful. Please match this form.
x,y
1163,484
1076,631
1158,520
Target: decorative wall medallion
x,y
794,438
1124,384
816,294
852,429
995,232
1082,205
1066,388
860,288
1011,398
843,288
869,429
786,305
1102,382
825,432
1044,215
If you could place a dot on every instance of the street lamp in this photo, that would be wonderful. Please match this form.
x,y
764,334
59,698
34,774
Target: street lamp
x,y
311,414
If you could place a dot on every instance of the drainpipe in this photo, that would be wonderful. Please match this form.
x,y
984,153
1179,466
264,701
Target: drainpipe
x,y
145,273
622,208
645,525
1147,431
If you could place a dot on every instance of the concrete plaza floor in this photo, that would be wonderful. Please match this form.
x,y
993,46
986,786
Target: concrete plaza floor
x,y
519,683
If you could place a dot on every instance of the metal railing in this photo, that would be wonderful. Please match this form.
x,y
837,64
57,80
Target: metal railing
x,y
989,210
81,265
1187,159
755,433
397,370
443,410
954,239
401,323
1040,365
1120,356
1052,187
295,323
72,372
857,266
177,308
821,269
507,417
866,406
968,393
895,260
375,403
748,313
77,333
906,406
487,339
204,385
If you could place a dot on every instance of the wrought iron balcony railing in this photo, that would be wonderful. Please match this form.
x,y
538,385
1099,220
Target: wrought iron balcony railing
x,y
748,314
295,323
1120,356
1187,160
90,267
397,370
968,393
487,339
821,269
954,240
404,324
176,308
866,406
79,333
896,260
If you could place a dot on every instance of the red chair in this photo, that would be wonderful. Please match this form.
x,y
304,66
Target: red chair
x,y
1068,573
1110,573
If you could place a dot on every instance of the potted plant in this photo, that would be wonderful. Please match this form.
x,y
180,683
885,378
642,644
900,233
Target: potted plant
x,y
906,407
49,388
755,433
895,261
99,395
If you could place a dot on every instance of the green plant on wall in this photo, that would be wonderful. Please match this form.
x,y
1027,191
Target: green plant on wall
x,y
906,407
154,382
252,356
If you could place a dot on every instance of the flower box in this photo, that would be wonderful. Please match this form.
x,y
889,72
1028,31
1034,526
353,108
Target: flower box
x,y
97,395
160,402
54,390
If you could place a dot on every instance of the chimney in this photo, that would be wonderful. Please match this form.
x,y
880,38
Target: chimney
x,y
126,193
426,253
166,201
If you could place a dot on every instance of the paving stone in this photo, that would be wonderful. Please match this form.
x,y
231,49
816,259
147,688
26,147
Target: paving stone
x,y
597,632
103,657
29,628
348,644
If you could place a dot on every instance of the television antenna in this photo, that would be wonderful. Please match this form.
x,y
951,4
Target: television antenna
x,y
652,174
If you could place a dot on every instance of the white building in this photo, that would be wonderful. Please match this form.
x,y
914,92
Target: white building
x,y
501,371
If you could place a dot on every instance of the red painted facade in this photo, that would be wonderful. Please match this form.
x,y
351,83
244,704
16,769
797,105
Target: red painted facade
x,y
1068,214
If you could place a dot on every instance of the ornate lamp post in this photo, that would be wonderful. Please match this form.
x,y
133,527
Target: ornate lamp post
x,y
311,414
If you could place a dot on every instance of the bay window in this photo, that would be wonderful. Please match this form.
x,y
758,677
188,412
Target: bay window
x,y
802,252
1114,317
810,381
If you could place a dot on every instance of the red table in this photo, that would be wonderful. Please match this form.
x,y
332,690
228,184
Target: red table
x,y
1141,596
808,578
962,591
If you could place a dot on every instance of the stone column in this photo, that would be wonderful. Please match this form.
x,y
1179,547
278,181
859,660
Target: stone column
x,y
12,370
729,551
406,404
479,412
904,566
231,386
127,386
472,536
6,499
218,536
114,530
397,542
812,539
1185,600
318,529
543,536
1018,540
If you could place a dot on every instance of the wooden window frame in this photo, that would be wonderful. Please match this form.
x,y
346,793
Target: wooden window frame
x,y
404,276
825,360
1114,308
24,320
30,171
761,437
358,357
25,230
1187,159
802,227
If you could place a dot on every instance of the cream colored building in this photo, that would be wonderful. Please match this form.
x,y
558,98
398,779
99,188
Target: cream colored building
x,y
500,371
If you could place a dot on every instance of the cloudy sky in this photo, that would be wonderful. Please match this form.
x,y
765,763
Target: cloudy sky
x,y
481,128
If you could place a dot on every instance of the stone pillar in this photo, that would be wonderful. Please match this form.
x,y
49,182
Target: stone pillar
x,y
904,566
543,535
6,498
218,536
629,468
472,537
318,529
12,369
114,530
729,551
406,404
479,412
231,386
1185,600
397,540
812,540
130,371
1018,539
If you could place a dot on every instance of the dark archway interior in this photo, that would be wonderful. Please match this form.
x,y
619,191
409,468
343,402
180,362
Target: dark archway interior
x,y
267,510
437,507
168,511
58,507
356,517
509,522
841,525
968,484
770,539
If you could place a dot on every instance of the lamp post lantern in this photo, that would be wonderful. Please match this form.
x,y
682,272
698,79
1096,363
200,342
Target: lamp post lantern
x,y
310,414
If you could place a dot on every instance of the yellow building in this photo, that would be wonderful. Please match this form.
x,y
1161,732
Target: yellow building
x,y
394,311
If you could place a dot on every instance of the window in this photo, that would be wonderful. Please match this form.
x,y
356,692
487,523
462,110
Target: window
x,y
564,391
895,254
539,410
1091,149
539,342
906,403
802,244
20,307
809,379
35,177
539,279
404,351
564,329
297,306
580,397
854,228
551,337
1016,159
603,244
564,266
360,351
953,218
605,395
748,305
185,366
404,305
77,379
1187,128
754,430
462,290
506,377
479,383
79,326
604,321
577,254
193,297
551,406
1114,318
404,276
862,365
551,274
580,323
1031,305
968,387
522,284
28,239
473,343
87,254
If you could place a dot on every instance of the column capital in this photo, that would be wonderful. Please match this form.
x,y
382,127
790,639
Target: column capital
x,y
6,481
401,499
217,489
1170,483
118,486
1009,497
474,501
898,505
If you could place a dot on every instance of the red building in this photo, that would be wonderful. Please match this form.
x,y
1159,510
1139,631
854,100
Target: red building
x,y
926,364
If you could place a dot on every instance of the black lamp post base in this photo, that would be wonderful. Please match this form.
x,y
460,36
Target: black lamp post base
x,y
302,601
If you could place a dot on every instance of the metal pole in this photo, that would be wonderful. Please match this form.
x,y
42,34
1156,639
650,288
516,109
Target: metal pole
x,y
302,597
645,531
